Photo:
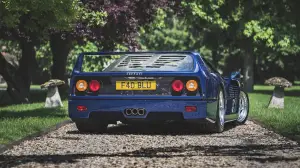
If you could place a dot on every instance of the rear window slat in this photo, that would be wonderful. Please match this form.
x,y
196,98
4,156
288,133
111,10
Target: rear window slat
x,y
154,62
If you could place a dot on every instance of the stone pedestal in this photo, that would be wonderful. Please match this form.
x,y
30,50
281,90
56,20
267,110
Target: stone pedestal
x,y
277,99
53,98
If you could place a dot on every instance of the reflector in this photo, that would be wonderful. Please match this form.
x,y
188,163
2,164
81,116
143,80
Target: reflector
x,y
190,108
81,108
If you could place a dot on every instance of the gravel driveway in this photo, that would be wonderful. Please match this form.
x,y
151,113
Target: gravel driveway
x,y
170,146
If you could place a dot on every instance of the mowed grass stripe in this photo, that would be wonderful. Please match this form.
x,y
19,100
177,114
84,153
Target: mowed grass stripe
x,y
19,121
285,121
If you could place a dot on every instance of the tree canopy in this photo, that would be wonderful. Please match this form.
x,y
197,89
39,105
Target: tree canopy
x,y
251,28
259,37
105,23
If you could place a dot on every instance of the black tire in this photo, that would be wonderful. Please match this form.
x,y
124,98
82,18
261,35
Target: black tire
x,y
219,126
243,97
90,126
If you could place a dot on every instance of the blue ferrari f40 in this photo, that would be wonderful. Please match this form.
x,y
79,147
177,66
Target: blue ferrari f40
x,y
153,87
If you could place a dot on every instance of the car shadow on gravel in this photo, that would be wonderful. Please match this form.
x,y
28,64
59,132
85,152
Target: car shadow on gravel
x,y
161,129
254,152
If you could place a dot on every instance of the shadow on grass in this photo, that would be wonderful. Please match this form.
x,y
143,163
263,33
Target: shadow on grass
x,y
40,96
255,153
293,93
36,96
40,112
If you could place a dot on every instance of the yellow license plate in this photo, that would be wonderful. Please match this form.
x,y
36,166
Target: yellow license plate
x,y
135,85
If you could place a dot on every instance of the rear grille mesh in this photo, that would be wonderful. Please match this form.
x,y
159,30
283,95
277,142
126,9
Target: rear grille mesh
x,y
234,91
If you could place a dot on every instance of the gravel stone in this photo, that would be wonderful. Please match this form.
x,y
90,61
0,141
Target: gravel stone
x,y
171,145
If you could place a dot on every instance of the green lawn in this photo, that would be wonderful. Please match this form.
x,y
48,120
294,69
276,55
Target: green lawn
x,y
18,121
32,86
285,121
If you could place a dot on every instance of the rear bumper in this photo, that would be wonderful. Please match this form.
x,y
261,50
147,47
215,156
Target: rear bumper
x,y
113,109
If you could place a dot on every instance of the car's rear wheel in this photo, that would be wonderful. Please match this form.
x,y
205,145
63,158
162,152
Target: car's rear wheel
x,y
90,126
243,108
220,118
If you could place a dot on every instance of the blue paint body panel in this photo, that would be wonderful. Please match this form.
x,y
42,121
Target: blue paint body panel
x,y
210,82
151,106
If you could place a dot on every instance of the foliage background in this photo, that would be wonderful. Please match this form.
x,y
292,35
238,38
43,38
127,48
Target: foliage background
x,y
215,28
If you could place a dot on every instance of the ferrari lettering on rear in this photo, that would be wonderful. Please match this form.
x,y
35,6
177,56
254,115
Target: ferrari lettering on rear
x,y
134,73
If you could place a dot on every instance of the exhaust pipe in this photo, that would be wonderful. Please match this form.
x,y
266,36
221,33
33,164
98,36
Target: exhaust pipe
x,y
134,111
128,111
141,111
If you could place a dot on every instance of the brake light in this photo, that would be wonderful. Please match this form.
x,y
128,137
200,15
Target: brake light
x,y
94,85
191,85
81,85
177,85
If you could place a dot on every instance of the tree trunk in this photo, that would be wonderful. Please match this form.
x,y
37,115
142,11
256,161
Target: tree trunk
x,y
27,66
247,47
8,73
258,72
60,48
214,58
248,72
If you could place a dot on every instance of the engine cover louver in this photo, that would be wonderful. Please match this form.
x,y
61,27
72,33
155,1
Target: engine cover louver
x,y
153,61
134,61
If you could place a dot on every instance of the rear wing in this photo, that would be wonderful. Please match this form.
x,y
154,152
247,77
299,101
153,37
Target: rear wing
x,y
141,62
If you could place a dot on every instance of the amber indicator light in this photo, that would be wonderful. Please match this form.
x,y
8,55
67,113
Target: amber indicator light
x,y
81,85
191,85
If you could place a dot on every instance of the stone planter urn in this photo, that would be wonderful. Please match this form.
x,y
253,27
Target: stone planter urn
x,y
277,99
53,98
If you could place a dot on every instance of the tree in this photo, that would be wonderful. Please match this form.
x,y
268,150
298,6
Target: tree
x,y
28,22
169,32
245,26
106,23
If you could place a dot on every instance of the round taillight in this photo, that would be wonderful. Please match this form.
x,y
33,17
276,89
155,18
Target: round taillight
x,y
94,85
191,85
81,85
177,85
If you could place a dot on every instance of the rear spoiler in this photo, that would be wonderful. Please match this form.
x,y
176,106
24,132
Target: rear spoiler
x,y
79,61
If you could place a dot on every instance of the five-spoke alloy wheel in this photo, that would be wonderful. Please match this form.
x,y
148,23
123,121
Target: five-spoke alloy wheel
x,y
220,118
243,110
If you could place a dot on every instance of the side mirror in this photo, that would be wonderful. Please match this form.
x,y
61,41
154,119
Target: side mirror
x,y
235,74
